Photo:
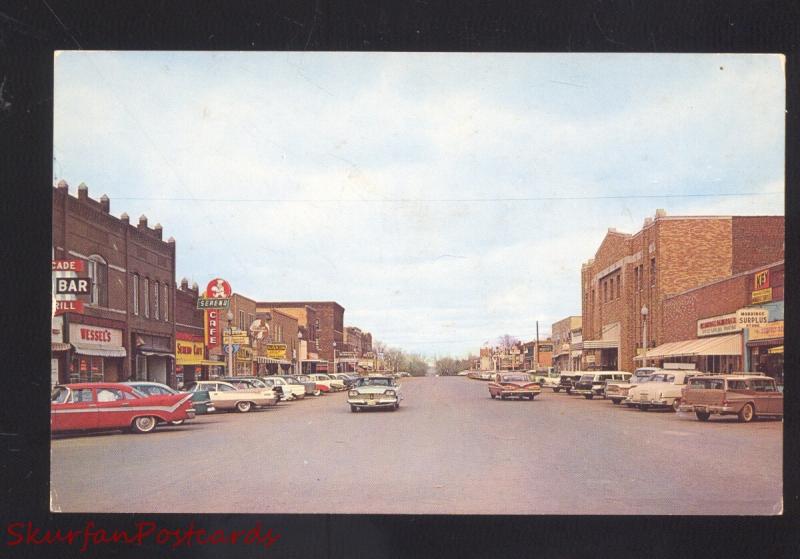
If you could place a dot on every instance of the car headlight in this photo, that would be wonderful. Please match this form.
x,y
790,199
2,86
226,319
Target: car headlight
x,y
390,393
353,393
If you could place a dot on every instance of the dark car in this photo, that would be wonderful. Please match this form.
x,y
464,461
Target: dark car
x,y
567,380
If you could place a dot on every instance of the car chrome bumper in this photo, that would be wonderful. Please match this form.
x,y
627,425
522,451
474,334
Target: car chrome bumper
x,y
709,409
372,403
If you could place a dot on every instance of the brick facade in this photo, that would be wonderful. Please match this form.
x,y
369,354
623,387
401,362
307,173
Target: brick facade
x,y
129,256
667,256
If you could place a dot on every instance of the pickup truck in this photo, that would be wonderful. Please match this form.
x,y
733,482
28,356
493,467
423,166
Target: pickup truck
x,y
744,395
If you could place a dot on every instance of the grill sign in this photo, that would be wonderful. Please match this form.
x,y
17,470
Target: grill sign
x,y
73,286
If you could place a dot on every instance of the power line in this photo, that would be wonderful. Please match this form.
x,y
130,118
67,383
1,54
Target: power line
x,y
450,200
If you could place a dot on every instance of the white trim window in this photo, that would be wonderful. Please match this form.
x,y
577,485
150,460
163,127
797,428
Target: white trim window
x,y
156,294
165,302
97,269
147,297
136,294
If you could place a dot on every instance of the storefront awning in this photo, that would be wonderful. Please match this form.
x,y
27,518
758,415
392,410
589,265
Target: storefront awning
x,y
778,349
762,343
212,363
270,361
600,344
99,351
57,346
717,345
313,361
157,353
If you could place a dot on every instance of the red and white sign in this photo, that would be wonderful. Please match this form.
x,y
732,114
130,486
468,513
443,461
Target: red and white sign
x,y
84,334
69,306
212,328
722,324
218,288
67,265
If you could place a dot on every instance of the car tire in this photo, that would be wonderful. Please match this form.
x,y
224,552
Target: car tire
x,y
746,414
569,391
317,392
502,396
676,403
556,390
615,402
353,408
644,407
702,415
243,407
588,396
176,423
144,424
493,395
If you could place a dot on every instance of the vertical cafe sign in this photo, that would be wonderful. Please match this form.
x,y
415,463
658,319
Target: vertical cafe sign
x,y
216,299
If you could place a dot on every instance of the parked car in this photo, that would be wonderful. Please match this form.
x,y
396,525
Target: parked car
x,y
318,388
200,400
547,377
662,390
225,396
374,392
403,374
113,405
462,373
289,391
333,384
514,385
347,378
745,396
309,387
252,383
594,383
567,380
617,391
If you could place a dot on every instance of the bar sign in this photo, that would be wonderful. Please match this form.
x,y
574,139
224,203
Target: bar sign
x,y
73,286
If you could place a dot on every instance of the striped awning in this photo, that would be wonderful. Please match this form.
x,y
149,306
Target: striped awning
x,y
212,363
95,351
600,344
716,345
58,346
270,360
777,349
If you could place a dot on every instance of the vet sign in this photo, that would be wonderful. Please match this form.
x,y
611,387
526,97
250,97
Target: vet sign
x,y
73,286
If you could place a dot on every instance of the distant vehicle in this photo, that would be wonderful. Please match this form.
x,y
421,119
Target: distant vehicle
x,y
374,392
331,383
225,396
514,385
546,376
594,383
308,385
746,396
463,373
567,380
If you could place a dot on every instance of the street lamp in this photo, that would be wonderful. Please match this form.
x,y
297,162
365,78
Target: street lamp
x,y
229,316
335,370
299,345
644,335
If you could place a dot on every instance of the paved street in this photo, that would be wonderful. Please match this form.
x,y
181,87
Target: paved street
x,y
450,449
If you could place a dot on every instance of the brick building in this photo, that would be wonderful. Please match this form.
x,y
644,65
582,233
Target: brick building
x,y
562,333
126,326
667,256
701,325
322,322
191,361
279,353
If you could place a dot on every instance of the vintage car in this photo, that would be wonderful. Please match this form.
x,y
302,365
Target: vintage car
x,y
514,385
374,392
594,383
567,380
349,379
251,383
662,390
320,388
617,390
113,405
226,397
333,384
200,400
743,395
309,387
289,391
547,377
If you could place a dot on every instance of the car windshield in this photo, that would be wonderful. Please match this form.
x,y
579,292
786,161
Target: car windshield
x,y
323,377
587,377
291,380
59,395
514,378
707,383
374,382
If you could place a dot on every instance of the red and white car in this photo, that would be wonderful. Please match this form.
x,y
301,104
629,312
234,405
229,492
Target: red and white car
x,y
110,405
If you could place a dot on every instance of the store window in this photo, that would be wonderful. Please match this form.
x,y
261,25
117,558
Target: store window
x,y
146,298
98,273
165,302
652,272
136,294
618,287
86,368
241,320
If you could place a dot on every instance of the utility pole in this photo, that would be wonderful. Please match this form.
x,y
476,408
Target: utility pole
x,y
536,352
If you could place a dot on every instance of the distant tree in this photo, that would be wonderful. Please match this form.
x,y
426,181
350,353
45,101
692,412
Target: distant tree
x,y
506,342
415,365
446,366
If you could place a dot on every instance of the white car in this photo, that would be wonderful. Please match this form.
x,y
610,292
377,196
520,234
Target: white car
x,y
225,396
334,384
374,392
288,391
662,390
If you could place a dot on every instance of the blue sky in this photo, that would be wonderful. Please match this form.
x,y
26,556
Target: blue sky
x,y
442,199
